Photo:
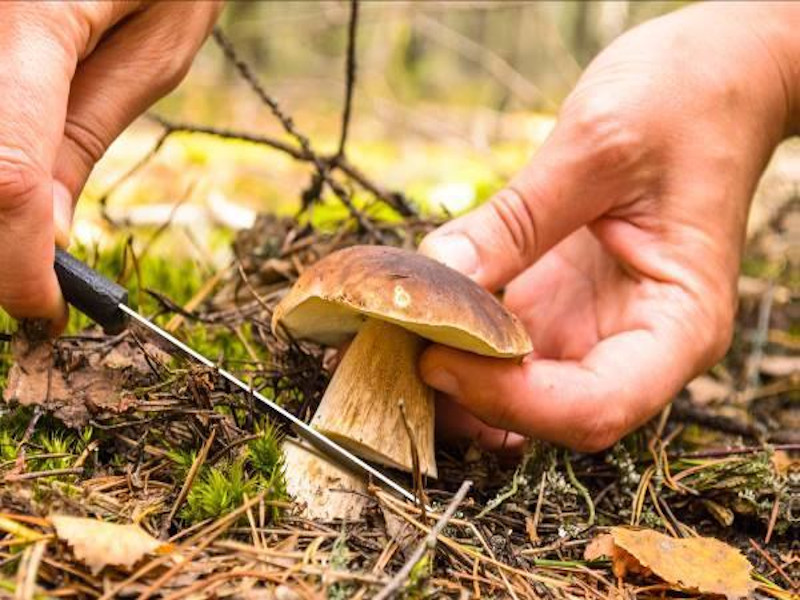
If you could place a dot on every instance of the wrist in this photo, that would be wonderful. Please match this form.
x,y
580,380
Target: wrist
x,y
774,25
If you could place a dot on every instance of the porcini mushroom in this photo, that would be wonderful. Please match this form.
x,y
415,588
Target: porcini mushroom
x,y
392,300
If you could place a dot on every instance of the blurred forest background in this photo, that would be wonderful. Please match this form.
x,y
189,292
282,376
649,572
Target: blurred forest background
x,y
451,98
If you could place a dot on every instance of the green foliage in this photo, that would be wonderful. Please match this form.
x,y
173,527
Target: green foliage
x,y
265,451
218,491
7,325
216,342
56,442
418,577
178,279
8,446
182,461
267,460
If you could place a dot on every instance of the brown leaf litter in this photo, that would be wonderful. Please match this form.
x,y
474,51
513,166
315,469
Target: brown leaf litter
x,y
75,384
701,564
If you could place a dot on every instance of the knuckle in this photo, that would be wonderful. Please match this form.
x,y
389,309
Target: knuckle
x,y
515,216
613,140
20,177
715,338
175,69
600,430
86,142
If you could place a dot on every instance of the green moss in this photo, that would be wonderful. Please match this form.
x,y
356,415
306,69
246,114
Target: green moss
x,y
182,461
176,279
338,562
8,446
7,325
267,461
760,267
218,491
220,343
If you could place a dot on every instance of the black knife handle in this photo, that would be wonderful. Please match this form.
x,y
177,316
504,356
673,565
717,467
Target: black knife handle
x,y
94,295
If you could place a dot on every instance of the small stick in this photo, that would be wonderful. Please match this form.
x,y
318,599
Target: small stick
x,y
419,488
427,544
773,518
40,474
537,514
771,561
190,477
350,75
581,489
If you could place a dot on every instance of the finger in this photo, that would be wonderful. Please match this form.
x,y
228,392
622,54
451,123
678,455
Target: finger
x,y
454,424
588,405
141,61
34,81
592,160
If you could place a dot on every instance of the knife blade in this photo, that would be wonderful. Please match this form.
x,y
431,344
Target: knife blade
x,y
106,303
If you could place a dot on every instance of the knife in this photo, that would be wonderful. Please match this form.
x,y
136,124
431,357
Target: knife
x,y
106,303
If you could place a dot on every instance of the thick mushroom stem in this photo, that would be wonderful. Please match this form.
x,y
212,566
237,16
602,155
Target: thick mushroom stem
x,y
322,489
360,409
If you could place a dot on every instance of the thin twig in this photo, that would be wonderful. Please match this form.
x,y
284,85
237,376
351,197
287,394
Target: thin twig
x,y
581,489
323,169
395,200
350,75
766,556
190,477
40,474
428,543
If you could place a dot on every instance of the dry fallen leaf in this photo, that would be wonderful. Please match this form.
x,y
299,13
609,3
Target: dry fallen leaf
x,y
97,543
77,385
622,561
705,565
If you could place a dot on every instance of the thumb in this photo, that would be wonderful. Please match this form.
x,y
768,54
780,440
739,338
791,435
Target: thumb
x,y
126,73
589,163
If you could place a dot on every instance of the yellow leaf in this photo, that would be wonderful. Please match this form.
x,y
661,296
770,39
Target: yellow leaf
x,y
602,545
706,565
97,543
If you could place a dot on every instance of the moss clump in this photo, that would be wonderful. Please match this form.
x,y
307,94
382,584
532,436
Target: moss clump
x,y
220,489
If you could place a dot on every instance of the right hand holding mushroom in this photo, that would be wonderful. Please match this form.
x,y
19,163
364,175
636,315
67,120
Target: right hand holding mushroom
x,y
618,246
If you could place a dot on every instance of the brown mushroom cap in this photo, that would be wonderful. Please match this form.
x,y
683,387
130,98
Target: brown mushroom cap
x,y
334,296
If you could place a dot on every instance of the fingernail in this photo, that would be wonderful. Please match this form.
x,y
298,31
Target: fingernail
x,y
442,380
62,213
454,250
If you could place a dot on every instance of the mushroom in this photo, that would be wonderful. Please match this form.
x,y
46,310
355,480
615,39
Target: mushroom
x,y
392,300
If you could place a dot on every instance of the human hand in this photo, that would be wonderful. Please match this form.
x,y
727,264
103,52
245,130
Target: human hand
x,y
74,75
619,244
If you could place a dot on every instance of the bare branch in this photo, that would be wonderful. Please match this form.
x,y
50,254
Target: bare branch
x,y
350,75
428,543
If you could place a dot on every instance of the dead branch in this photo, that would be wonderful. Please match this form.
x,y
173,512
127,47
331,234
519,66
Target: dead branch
x,y
428,543
350,75
287,122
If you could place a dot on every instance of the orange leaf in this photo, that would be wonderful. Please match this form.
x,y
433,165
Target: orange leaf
x,y
706,565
